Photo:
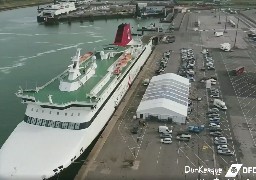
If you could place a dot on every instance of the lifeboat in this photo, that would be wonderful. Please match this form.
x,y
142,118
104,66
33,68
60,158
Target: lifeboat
x,y
117,70
85,57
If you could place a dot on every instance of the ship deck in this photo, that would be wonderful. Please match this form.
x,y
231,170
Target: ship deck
x,y
80,95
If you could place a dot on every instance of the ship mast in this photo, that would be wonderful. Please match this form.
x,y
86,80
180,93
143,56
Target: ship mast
x,y
74,71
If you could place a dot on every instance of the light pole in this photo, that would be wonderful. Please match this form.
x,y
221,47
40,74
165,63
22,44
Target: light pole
x,y
219,17
225,29
236,33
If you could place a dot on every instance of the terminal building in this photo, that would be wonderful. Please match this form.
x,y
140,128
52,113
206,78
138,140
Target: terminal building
x,y
166,98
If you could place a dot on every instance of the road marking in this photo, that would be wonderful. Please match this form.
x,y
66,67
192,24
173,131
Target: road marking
x,y
204,141
249,102
205,147
239,103
246,91
196,154
188,158
239,79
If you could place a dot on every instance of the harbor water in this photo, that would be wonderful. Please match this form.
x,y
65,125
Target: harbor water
x,y
32,54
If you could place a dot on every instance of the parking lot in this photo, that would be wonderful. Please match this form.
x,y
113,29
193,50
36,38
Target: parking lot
x,y
139,154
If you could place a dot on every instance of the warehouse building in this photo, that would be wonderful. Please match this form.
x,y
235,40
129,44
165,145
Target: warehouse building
x,y
166,98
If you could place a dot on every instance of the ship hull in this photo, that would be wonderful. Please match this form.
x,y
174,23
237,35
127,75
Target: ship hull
x,y
48,20
85,137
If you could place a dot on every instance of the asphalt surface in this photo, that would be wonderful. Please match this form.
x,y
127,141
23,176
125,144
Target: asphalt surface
x,y
141,156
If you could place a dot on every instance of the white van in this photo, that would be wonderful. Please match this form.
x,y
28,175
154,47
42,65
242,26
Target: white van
x,y
218,34
188,136
220,104
164,129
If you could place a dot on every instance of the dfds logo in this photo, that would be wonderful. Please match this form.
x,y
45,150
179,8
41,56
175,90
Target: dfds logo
x,y
235,168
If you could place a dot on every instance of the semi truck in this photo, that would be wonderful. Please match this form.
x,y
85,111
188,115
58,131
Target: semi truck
x,y
238,71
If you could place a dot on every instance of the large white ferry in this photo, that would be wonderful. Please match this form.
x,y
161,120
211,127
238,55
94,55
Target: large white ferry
x,y
66,114
51,13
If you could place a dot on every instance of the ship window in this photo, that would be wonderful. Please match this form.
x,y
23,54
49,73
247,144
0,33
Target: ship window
x,y
42,111
32,109
44,122
71,125
64,125
39,121
57,124
60,167
72,114
33,121
58,113
51,123
78,114
50,112
66,114
55,170
77,126
37,110
82,149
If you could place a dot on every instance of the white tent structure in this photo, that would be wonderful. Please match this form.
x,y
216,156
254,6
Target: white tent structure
x,y
166,98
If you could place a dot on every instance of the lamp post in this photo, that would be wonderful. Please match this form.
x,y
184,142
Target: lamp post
x,y
236,33
225,29
219,17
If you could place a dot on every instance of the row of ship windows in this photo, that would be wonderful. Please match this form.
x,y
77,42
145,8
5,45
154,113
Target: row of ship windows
x,y
53,124
58,113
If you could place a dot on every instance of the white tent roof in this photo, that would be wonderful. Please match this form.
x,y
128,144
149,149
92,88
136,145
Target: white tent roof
x,y
168,92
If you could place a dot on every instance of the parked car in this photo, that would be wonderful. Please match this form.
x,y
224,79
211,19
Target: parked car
x,y
210,67
191,79
213,81
214,125
226,152
215,122
223,146
214,119
209,63
214,90
213,110
213,115
165,135
215,95
220,141
190,72
216,134
222,138
135,130
215,129
166,140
